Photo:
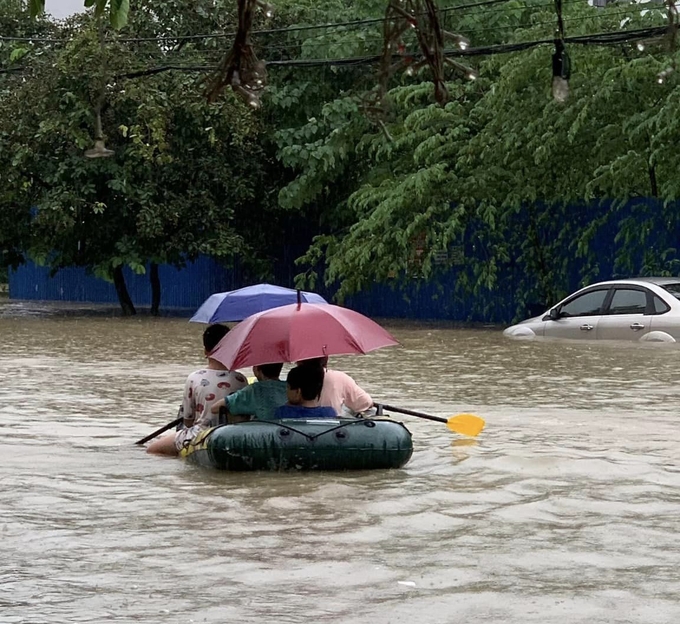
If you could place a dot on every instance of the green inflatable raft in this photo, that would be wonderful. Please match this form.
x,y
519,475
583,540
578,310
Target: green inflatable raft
x,y
292,444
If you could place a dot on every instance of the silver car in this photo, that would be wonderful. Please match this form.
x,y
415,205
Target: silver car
x,y
643,308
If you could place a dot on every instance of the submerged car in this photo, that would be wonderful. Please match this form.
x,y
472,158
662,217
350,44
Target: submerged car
x,y
642,308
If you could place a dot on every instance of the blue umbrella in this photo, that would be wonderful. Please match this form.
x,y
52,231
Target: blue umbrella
x,y
235,305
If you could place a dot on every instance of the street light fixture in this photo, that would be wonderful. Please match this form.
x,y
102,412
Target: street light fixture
x,y
99,150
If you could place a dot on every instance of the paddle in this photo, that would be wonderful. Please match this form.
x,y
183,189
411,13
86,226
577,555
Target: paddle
x,y
158,432
465,424
174,423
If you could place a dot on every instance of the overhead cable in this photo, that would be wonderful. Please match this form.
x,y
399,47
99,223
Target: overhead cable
x,y
287,29
599,39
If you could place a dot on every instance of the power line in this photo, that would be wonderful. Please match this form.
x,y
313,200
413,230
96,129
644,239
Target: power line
x,y
600,39
605,38
378,38
270,31
288,29
331,25
598,15
33,39
150,71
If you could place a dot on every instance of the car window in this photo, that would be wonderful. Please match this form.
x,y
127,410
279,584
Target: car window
x,y
628,301
587,304
674,289
659,305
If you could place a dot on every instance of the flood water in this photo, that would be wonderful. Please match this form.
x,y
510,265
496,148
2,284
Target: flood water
x,y
566,509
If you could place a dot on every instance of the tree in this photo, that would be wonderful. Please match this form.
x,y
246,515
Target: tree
x,y
521,182
14,223
180,170
501,164
118,10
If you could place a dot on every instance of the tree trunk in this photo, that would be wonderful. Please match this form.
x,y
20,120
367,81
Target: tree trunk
x,y
123,295
543,275
155,289
654,186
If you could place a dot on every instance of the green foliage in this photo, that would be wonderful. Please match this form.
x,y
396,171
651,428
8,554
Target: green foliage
x,y
502,177
14,224
118,9
180,173
498,167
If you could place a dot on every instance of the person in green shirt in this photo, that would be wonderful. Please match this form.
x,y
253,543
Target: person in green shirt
x,y
259,399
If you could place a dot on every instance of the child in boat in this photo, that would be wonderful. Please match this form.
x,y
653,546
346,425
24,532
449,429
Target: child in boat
x,y
202,388
303,387
259,399
339,389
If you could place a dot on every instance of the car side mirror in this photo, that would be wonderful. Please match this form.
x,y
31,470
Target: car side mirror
x,y
554,314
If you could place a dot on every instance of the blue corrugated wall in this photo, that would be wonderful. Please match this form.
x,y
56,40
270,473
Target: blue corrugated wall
x,y
186,289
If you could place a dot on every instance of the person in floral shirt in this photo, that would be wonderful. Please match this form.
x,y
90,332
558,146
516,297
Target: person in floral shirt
x,y
202,389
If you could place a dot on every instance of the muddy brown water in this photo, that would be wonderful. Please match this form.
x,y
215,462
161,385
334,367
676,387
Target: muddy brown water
x,y
566,509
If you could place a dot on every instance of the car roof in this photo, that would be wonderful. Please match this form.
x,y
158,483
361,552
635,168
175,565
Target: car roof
x,y
659,281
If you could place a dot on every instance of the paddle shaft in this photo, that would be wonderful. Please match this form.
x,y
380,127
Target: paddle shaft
x,y
158,432
401,410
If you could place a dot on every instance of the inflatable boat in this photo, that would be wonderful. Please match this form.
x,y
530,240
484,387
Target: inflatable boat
x,y
292,444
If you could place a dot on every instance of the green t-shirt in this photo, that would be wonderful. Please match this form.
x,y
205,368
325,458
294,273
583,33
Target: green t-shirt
x,y
261,398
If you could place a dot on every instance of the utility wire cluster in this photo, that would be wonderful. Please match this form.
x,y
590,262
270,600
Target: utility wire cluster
x,y
349,24
246,74
240,68
596,39
272,31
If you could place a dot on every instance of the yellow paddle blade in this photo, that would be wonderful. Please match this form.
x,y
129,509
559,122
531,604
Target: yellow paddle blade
x,y
466,424
252,380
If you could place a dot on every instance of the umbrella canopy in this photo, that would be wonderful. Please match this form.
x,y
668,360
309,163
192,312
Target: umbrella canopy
x,y
299,332
235,305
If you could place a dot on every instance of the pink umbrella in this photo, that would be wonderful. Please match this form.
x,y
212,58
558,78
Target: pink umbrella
x,y
297,332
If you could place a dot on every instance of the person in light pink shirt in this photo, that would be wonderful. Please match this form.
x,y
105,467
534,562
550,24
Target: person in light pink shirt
x,y
340,389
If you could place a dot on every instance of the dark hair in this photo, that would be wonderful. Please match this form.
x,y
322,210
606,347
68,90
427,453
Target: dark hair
x,y
307,379
320,362
212,336
271,371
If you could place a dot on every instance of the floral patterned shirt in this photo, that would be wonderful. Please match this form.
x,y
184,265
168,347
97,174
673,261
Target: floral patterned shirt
x,y
205,387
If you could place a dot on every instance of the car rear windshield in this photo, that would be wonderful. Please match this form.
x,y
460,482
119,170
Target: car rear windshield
x,y
674,289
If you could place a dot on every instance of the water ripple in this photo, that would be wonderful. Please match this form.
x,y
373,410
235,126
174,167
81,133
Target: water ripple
x,y
566,509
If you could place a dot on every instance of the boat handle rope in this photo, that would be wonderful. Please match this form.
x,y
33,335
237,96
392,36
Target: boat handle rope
x,y
312,437
368,422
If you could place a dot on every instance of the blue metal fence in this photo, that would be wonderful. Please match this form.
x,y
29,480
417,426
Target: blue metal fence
x,y
187,288
184,290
